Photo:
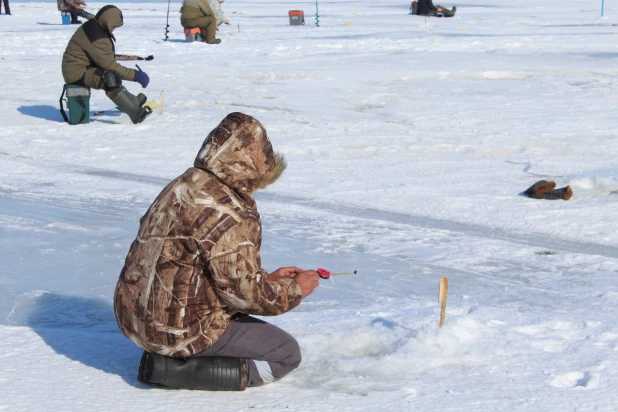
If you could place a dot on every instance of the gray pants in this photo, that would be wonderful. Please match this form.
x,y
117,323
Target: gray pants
x,y
271,352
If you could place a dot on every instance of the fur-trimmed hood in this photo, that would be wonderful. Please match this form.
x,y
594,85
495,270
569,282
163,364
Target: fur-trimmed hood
x,y
239,153
196,261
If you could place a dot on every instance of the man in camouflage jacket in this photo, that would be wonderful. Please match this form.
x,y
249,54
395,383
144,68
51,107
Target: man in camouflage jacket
x,y
194,271
215,6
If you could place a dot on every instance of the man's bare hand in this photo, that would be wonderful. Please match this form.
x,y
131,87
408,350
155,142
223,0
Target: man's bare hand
x,y
308,281
283,273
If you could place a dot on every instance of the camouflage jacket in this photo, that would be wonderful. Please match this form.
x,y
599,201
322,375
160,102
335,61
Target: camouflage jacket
x,y
215,6
196,259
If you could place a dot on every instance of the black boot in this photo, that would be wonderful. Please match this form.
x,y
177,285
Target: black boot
x,y
449,13
74,19
215,373
130,104
141,99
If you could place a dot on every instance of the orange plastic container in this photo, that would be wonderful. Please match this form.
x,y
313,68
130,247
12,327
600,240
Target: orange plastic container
x,y
193,34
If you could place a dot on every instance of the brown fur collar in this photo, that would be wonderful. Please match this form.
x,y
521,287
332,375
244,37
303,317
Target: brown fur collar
x,y
275,173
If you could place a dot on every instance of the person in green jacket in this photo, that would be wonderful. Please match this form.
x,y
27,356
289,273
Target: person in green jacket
x,y
90,60
198,13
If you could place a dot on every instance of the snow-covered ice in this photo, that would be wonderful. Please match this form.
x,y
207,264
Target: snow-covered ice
x,y
409,142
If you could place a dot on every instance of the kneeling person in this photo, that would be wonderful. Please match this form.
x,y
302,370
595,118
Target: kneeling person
x,y
90,60
427,8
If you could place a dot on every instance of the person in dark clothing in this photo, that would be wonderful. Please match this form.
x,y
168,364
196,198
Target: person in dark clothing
x,y
90,60
427,8
6,7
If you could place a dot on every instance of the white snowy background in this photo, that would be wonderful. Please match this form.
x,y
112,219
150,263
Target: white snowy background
x,y
409,142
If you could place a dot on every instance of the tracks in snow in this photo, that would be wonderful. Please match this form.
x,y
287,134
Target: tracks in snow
x,y
296,237
527,239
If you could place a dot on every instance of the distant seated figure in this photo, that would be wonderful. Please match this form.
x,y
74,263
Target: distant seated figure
x,y
427,8
199,13
215,5
76,8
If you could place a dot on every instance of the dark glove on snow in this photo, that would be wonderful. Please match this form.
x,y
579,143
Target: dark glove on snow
x,y
141,78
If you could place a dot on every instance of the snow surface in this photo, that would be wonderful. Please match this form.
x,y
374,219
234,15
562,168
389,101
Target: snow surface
x,y
409,142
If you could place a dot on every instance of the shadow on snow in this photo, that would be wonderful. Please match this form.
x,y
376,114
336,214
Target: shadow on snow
x,y
84,330
52,113
42,111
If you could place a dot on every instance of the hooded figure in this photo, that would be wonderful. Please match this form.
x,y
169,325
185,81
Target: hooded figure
x,y
90,60
194,272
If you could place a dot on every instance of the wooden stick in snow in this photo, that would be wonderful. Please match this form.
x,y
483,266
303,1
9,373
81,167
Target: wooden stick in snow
x,y
442,298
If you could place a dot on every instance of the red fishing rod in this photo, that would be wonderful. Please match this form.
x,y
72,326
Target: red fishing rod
x,y
325,274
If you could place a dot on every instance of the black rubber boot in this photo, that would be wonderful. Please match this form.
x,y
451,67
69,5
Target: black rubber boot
x,y
141,99
215,373
540,187
74,19
449,13
130,104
